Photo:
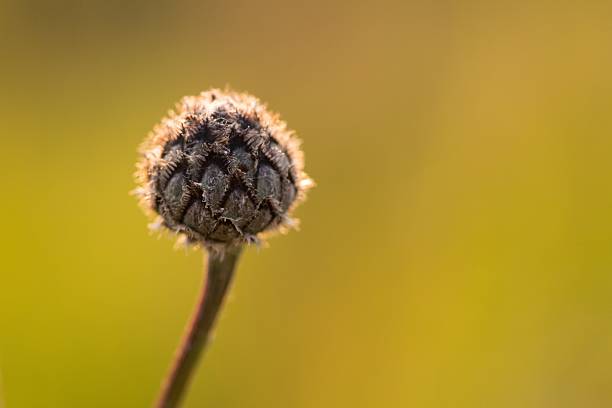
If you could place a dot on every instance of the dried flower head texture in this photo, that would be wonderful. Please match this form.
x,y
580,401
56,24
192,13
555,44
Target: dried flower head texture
x,y
221,169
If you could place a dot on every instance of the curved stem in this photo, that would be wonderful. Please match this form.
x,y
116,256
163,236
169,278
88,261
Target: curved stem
x,y
220,271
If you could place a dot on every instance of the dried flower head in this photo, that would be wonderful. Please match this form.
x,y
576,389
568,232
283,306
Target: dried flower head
x,y
221,169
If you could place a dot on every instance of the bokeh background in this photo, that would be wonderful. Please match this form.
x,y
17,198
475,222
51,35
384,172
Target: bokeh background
x,y
456,252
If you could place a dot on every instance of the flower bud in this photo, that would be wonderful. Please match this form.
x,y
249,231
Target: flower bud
x,y
221,169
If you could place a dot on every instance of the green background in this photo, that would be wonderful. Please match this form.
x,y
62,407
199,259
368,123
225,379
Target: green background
x,y
455,253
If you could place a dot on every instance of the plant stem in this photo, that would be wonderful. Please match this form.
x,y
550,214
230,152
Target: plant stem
x,y
220,271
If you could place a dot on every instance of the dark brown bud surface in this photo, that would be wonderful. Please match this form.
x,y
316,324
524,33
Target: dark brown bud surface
x,y
221,169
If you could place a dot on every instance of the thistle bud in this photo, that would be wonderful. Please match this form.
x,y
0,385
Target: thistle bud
x,y
221,169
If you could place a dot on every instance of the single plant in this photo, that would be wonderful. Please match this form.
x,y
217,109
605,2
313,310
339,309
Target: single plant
x,y
220,171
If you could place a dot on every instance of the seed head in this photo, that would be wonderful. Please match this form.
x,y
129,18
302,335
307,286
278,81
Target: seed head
x,y
221,169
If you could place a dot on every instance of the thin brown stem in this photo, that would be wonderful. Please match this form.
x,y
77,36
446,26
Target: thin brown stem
x,y
220,271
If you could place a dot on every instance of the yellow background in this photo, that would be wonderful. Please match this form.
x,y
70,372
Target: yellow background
x,y
457,249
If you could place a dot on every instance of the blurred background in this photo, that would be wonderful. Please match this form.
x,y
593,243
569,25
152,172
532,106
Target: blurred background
x,y
456,252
